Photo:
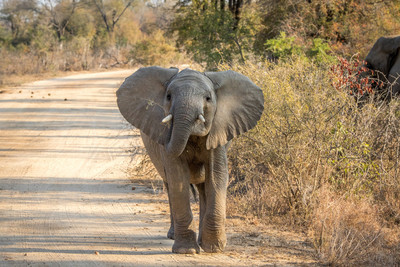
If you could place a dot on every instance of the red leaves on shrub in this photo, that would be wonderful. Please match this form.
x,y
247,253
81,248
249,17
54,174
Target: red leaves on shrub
x,y
354,77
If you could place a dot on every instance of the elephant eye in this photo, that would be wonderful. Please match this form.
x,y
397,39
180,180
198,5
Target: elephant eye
x,y
169,97
208,98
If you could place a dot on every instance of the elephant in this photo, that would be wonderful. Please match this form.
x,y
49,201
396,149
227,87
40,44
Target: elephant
x,y
187,120
384,59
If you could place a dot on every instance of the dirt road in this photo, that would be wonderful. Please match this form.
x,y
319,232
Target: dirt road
x,y
65,198
65,195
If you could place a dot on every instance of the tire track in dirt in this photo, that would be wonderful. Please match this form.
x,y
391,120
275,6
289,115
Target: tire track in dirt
x,y
65,197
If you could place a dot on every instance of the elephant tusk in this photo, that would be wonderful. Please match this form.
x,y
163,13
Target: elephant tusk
x,y
167,119
202,118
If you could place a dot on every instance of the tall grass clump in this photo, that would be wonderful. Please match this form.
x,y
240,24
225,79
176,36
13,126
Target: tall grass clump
x,y
313,141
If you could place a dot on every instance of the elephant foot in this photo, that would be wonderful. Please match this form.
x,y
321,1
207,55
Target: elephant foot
x,y
213,242
171,233
186,244
186,249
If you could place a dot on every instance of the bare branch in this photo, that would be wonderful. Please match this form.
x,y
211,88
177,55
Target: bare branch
x,y
123,11
102,13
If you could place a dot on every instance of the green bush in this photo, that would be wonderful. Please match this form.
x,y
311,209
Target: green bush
x,y
319,51
284,47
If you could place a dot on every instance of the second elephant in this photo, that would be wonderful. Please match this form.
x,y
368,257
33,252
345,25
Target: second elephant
x,y
384,59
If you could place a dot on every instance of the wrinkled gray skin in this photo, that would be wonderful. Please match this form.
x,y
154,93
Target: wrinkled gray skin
x,y
187,150
384,58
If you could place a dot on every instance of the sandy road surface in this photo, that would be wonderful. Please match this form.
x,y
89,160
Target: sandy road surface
x,y
65,198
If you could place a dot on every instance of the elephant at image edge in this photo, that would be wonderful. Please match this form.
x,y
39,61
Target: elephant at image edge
x,y
186,121
384,57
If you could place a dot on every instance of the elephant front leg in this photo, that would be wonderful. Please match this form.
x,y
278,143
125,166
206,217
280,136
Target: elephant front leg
x,y
213,236
179,197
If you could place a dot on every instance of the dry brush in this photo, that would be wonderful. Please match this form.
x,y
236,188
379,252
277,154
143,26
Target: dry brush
x,y
319,161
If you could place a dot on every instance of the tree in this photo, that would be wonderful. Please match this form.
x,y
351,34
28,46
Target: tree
x,y
19,17
111,12
60,12
235,7
212,31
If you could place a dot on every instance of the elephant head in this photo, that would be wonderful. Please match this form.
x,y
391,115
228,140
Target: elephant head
x,y
384,58
170,106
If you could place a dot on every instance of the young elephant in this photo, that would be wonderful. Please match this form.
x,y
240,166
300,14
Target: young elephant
x,y
186,120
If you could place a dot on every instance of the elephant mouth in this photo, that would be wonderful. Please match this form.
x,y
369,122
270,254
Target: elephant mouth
x,y
181,129
199,129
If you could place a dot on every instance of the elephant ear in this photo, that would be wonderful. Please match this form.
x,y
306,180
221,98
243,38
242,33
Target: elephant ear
x,y
240,104
140,100
383,53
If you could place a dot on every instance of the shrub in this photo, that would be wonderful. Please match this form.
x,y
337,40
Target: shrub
x,y
285,156
282,46
320,51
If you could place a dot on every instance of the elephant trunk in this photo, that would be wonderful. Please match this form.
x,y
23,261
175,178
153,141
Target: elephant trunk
x,y
181,130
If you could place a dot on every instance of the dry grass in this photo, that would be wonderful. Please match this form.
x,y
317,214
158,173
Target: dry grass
x,y
348,231
18,67
27,64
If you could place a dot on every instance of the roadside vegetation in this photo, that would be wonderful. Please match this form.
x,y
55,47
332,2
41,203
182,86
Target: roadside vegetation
x,y
318,161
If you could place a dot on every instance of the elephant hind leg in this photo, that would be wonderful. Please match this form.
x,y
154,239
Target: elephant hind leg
x,y
194,193
171,231
202,197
